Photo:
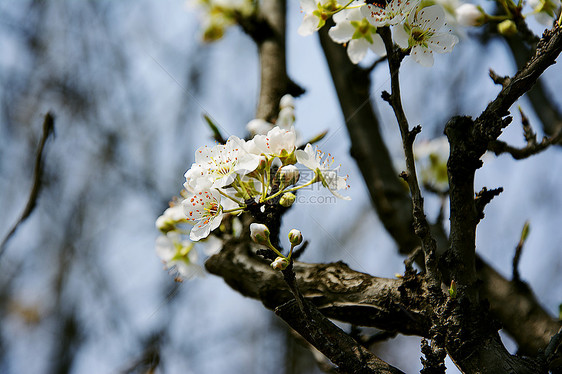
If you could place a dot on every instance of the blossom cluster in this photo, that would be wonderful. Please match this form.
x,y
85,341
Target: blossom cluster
x,y
229,178
416,25
415,28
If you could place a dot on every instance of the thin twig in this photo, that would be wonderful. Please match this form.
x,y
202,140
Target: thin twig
x,y
48,129
499,147
421,226
483,198
519,251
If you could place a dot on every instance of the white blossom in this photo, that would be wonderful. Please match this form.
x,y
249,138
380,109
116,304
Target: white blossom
x,y
421,34
314,160
170,218
545,10
204,210
287,101
316,12
179,255
352,28
295,237
259,126
218,166
393,13
259,233
277,143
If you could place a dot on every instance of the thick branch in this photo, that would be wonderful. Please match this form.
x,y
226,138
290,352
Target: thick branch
x,y
270,39
341,293
336,290
339,347
518,310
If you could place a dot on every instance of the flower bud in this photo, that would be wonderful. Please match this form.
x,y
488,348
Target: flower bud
x,y
286,118
258,126
295,237
164,224
469,15
507,28
288,175
287,101
287,199
280,263
259,233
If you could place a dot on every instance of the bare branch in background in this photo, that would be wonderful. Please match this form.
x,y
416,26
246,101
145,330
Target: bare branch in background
x,y
48,128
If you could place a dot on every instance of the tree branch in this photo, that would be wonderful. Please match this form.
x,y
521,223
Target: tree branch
x,y
339,347
336,290
541,101
48,129
387,192
499,147
421,226
270,39
488,124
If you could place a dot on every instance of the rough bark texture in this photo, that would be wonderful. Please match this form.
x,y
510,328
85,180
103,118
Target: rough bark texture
x,y
336,290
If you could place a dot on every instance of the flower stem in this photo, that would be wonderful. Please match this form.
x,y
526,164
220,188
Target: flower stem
x,y
235,209
313,180
230,197
275,250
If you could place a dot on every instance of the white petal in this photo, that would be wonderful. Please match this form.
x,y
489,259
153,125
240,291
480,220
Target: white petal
x,y
246,164
199,231
378,45
401,36
189,271
165,248
342,32
308,6
309,25
431,17
357,49
228,204
307,158
224,181
442,43
422,56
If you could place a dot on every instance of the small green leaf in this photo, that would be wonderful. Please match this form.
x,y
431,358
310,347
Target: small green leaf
x,y
525,231
453,289
216,132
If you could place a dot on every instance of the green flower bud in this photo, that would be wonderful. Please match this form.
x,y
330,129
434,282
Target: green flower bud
x,y
287,199
295,237
259,233
507,28
280,263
